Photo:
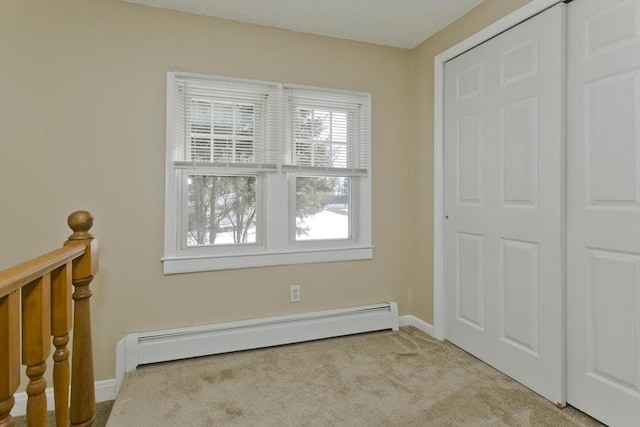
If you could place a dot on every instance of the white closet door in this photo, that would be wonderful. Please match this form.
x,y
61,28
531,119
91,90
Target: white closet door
x,y
603,210
503,200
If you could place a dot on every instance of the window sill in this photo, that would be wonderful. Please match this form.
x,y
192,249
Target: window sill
x,y
193,264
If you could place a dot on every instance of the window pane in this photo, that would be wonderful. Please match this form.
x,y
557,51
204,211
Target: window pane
x,y
223,119
222,210
322,208
245,120
200,114
339,126
244,151
322,137
200,149
223,150
222,132
304,124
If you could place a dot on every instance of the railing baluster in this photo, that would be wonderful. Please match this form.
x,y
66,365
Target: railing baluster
x,y
43,287
10,355
60,327
83,402
36,345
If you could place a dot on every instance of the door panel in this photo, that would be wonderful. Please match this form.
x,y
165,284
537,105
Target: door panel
x,y
519,308
470,280
503,199
470,159
519,152
603,210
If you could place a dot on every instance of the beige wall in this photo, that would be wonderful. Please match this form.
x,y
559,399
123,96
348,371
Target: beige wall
x,y
82,116
82,110
489,11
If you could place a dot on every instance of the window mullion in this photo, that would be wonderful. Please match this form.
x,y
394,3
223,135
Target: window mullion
x,y
277,212
234,117
211,132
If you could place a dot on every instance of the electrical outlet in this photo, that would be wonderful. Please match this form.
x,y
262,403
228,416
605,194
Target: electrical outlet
x,y
295,293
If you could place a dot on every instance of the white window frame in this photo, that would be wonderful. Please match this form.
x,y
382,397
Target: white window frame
x,y
277,244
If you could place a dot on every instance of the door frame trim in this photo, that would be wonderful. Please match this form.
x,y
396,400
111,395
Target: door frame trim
x,y
532,8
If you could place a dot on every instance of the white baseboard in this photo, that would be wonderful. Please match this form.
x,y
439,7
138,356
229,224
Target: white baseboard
x,y
411,320
277,330
104,389
174,344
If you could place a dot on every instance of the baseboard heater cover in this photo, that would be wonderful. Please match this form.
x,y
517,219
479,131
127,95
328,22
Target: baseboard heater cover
x,y
175,344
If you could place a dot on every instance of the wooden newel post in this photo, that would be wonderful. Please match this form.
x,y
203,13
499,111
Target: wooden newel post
x,y
83,402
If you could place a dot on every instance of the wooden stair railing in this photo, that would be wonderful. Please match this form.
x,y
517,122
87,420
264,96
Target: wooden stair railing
x,y
38,292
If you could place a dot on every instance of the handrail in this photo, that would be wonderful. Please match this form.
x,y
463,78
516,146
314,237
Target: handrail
x,y
35,310
19,275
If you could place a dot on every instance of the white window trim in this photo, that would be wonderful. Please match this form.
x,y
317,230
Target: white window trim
x,y
277,248
175,265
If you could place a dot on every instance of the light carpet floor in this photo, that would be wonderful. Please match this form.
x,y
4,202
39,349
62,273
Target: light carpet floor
x,y
403,378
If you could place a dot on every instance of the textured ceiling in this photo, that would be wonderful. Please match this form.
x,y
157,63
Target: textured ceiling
x,y
400,23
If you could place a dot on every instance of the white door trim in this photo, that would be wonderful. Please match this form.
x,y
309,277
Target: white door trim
x,y
527,11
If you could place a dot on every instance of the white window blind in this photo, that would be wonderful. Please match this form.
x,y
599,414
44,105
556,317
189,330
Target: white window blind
x,y
225,123
327,132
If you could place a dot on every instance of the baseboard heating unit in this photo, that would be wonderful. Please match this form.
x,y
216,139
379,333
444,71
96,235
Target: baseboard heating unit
x,y
174,344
